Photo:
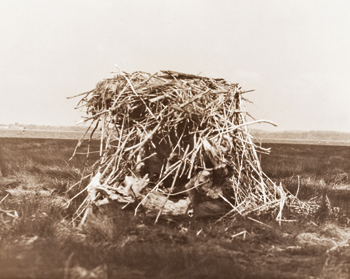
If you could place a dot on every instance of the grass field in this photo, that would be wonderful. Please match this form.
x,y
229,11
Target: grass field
x,y
37,239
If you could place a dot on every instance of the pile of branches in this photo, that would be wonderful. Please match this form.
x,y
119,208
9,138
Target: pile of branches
x,y
176,144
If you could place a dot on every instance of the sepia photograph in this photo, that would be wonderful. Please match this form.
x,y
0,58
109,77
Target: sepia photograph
x,y
157,139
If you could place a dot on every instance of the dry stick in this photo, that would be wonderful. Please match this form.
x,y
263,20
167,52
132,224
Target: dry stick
x,y
188,190
261,149
268,179
239,194
178,145
261,183
235,187
94,116
120,138
151,76
226,200
185,159
119,151
256,159
340,244
170,191
282,202
260,143
173,184
4,198
247,91
261,223
86,212
102,135
112,172
82,191
84,203
80,142
84,93
241,165
258,121
225,118
157,185
104,164
242,140
132,88
226,121
220,135
265,205
296,195
249,123
78,107
120,157
139,145
179,75
71,187
262,189
196,146
83,206
108,137
238,234
195,98
14,213
146,158
108,166
228,213
90,139
117,99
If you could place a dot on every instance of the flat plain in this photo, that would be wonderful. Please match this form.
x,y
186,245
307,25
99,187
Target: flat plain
x,y
38,240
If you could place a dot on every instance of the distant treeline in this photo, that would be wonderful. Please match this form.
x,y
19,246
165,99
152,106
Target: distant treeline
x,y
259,134
42,127
303,135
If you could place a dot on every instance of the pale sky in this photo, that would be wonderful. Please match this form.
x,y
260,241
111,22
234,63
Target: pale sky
x,y
295,54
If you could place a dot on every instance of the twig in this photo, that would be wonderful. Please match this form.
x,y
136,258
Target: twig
x,y
81,94
4,198
261,223
296,195
238,234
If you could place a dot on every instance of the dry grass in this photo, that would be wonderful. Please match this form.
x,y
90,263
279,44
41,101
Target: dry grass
x,y
326,162
41,243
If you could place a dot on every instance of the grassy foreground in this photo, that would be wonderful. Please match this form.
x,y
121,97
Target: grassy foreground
x,y
38,241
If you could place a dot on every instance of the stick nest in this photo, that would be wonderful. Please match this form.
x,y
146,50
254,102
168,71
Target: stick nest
x,y
179,137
